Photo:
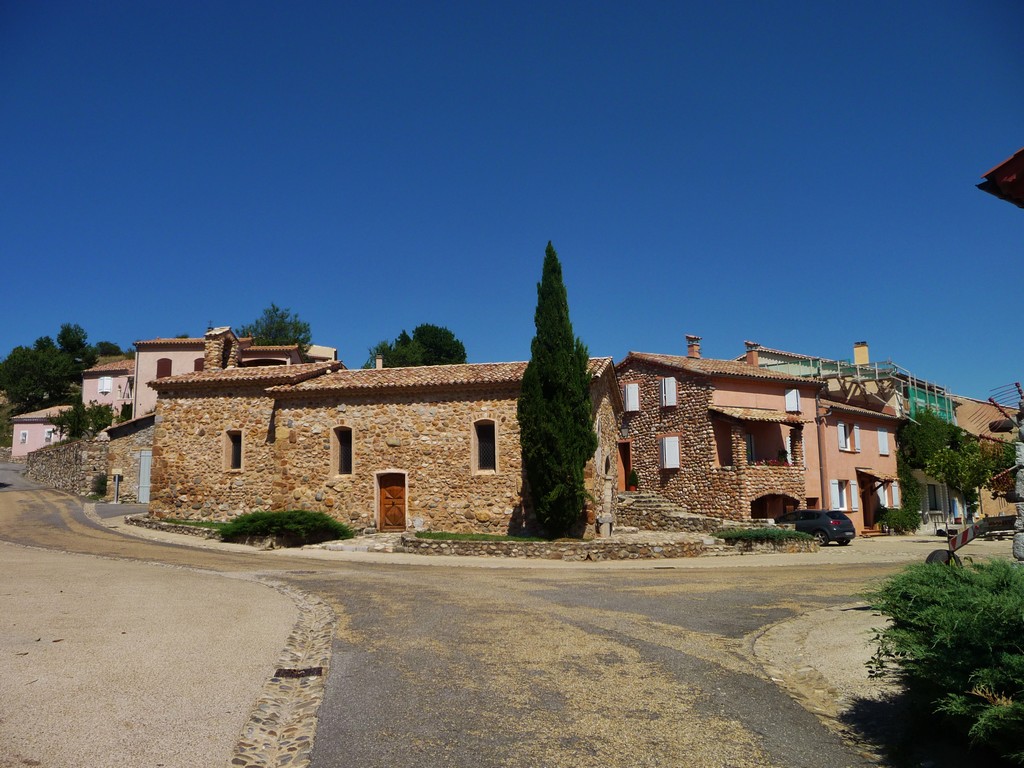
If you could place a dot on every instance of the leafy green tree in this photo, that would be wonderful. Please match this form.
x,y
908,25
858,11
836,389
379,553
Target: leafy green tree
x,y
919,440
73,341
556,429
428,345
38,377
278,327
964,470
80,420
108,349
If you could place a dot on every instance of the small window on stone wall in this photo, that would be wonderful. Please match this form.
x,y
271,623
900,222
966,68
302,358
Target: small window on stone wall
x,y
485,448
233,449
198,363
342,451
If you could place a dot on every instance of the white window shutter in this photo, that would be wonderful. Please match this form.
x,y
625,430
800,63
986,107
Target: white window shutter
x,y
883,441
670,452
668,392
836,501
895,493
856,438
854,495
793,400
882,496
844,438
631,396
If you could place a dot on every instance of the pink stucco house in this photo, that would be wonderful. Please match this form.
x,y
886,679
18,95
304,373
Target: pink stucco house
x,y
34,430
109,384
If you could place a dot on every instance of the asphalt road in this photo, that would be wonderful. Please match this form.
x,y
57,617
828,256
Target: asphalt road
x,y
465,666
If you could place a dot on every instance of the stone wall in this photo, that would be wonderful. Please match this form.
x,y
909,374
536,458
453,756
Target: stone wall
x,y
594,549
126,443
429,441
702,484
190,474
5,455
71,467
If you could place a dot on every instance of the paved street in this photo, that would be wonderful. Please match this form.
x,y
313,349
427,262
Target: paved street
x,y
477,663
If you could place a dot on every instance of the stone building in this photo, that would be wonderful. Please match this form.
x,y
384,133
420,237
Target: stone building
x,y
433,447
717,437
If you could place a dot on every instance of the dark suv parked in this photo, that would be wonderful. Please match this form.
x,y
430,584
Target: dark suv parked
x,y
822,524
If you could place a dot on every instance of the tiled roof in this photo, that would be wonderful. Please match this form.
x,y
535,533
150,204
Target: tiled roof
x,y
266,375
45,413
466,375
707,366
976,416
170,343
857,410
876,474
127,366
783,353
759,414
273,348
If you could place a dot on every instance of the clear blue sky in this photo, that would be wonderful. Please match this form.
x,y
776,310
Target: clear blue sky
x,y
800,174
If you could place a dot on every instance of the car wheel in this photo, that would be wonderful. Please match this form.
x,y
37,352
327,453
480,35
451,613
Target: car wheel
x,y
821,537
843,542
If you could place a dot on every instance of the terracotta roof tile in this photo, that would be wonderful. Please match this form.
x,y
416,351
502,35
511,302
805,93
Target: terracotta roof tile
x,y
127,366
857,410
170,342
267,375
759,414
45,413
707,366
466,375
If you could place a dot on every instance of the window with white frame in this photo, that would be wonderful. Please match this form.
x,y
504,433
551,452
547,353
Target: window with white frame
x,y
669,450
844,435
793,400
23,437
48,437
883,441
106,385
837,492
668,392
631,397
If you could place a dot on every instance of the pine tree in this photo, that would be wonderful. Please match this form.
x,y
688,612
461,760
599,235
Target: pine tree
x,y
556,429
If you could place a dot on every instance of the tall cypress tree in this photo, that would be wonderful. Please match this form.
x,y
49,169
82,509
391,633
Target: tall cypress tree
x,y
556,430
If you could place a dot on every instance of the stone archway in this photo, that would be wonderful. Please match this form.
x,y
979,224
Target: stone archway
x,y
772,505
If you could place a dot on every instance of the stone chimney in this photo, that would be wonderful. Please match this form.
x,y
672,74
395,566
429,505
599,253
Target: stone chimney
x,y
752,347
860,353
692,346
220,349
379,362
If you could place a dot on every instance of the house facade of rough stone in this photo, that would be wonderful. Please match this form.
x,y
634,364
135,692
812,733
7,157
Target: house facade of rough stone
x,y
433,447
717,437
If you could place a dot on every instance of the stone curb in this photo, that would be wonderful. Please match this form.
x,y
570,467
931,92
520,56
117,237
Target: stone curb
x,y
144,521
282,725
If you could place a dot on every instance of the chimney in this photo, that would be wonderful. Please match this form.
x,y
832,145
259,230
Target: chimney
x,y
379,362
860,353
692,346
752,347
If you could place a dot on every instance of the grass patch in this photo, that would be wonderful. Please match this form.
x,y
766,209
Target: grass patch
x,y
762,534
445,536
293,528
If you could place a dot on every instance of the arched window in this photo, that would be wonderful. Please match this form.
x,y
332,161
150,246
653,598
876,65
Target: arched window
x,y
485,446
163,367
198,364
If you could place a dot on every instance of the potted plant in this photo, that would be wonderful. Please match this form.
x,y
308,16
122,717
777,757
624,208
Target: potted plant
x,y
633,481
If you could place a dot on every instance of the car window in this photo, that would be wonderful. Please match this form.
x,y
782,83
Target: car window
x,y
838,516
809,515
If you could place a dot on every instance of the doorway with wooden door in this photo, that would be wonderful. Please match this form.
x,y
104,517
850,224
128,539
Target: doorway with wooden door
x,y
391,501
625,463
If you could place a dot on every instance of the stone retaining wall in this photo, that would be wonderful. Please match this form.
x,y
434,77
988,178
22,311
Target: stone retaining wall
x,y
597,549
5,456
772,547
144,521
70,467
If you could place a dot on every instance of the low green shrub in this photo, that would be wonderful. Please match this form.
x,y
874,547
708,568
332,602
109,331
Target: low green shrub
x,y
761,534
955,641
293,527
445,536
899,520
